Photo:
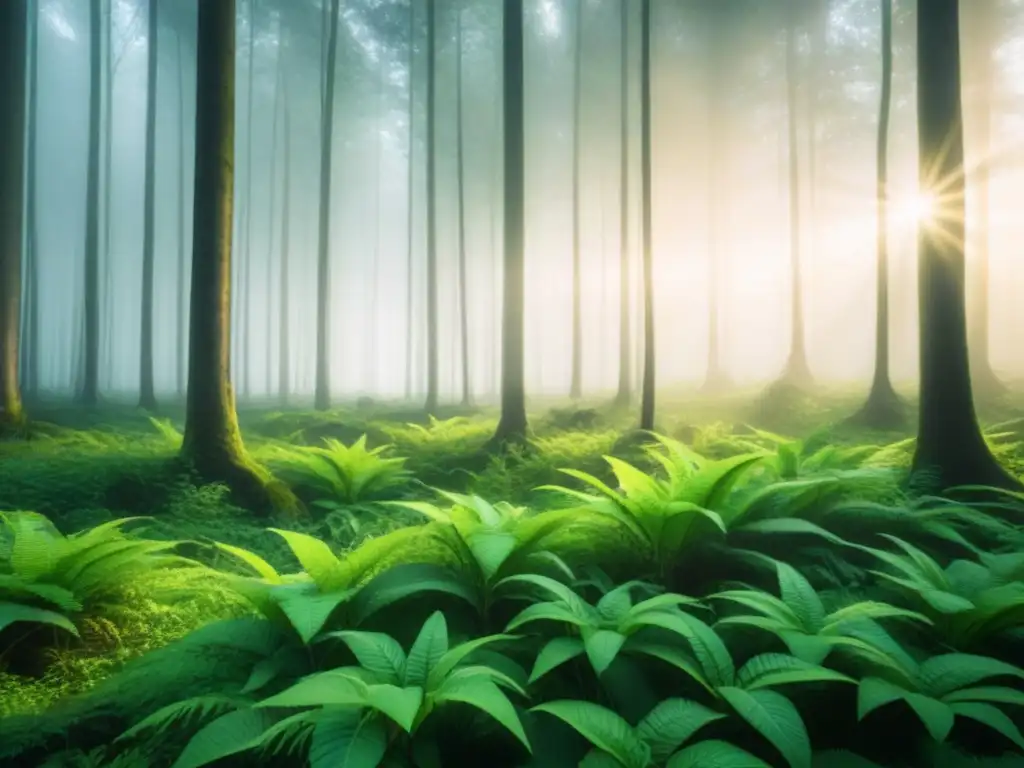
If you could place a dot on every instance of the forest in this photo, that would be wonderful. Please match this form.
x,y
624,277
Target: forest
x,y
511,383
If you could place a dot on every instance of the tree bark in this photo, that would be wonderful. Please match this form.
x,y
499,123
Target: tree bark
x,y
576,383
212,441
322,394
647,385
245,287
268,298
950,448
467,393
410,210
33,312
433,371
512,425
182,309
147,393
624,393
284,303
13,62
110,63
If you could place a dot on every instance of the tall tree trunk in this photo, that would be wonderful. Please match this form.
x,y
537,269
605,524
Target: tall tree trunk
x,y
268,298
322,394
147,393
110,63
89,392
647,391
576,383
512,424
950,448
625,390
467,391
410,210
374,313
432,325
13,61
883,409
33,312
246,251
182,310
797,372
212,441
284,303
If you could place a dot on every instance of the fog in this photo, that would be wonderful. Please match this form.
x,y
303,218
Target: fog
x,y
720,192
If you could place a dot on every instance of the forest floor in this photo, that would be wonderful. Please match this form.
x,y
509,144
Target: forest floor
x,y
85,468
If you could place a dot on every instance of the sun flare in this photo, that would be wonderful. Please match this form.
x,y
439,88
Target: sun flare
x,y
916,209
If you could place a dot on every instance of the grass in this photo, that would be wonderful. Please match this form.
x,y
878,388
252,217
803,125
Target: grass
x,y
82,469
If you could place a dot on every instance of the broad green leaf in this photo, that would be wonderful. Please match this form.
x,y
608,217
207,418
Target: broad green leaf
x,y
774,717
995,694
771,669
674,657
943,674
403,581
792,526
309,612
715,754
488,698
457,655
870,609
661,602
874,693
316,559
376,652
555,653
229,734
992,717
800,596
491,549
708,648
346,738
603,728
15,612
765,603
602,646
671,723
549,612
430,645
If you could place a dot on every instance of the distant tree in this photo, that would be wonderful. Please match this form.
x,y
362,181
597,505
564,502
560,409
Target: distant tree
x,y
467,390
182,309
625,389
284,289
883,408
512,425
410,237
951,450
33,311
13,63
576,385
648,379
212,441
147,391
433,370
322,393
89,390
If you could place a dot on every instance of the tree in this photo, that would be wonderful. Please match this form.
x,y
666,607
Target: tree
x,y
576,385
212,442
433,370
410,199
883,408
284,304
648,379
512,425
467,393
624,393
147,393
33,310
322,394
89,392
13,63
951,450
182,233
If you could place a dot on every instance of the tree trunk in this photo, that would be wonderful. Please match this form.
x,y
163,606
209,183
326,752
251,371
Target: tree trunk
x,y
212,441
246,251
88,394
950,448
624,393
410,210
322,395
147,393
268,298
576,383
374,313
110,62
883,409
467,393
13,61
432,329
182,325
512,424
797,372
33,312
284,304
647,387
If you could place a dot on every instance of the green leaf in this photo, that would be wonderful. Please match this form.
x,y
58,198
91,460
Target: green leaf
x,y
671,723
774,717
674,657
792,525
491,549
458,654
15,612
943,674
430,646
229,734
771,669
407,580
346,738
869,609
715,754
991,717
602,728
549,612
874,693
555,653
316,559
309,612
800,596
708,648
488,698
602,646
996,694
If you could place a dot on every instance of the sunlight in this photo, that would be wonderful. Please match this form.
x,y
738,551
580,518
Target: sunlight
x,y
916,209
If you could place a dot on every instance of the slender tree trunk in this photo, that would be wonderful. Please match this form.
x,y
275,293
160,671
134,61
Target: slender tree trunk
x,y
322,395
432,325
467,390
89,392
647,393
110,62
576,383
33,314
147,393
410,209
246,252
212,441
284,304
374,313
883,409
512,424
268,298
625,390
182,309
950,448
13,61
797,372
